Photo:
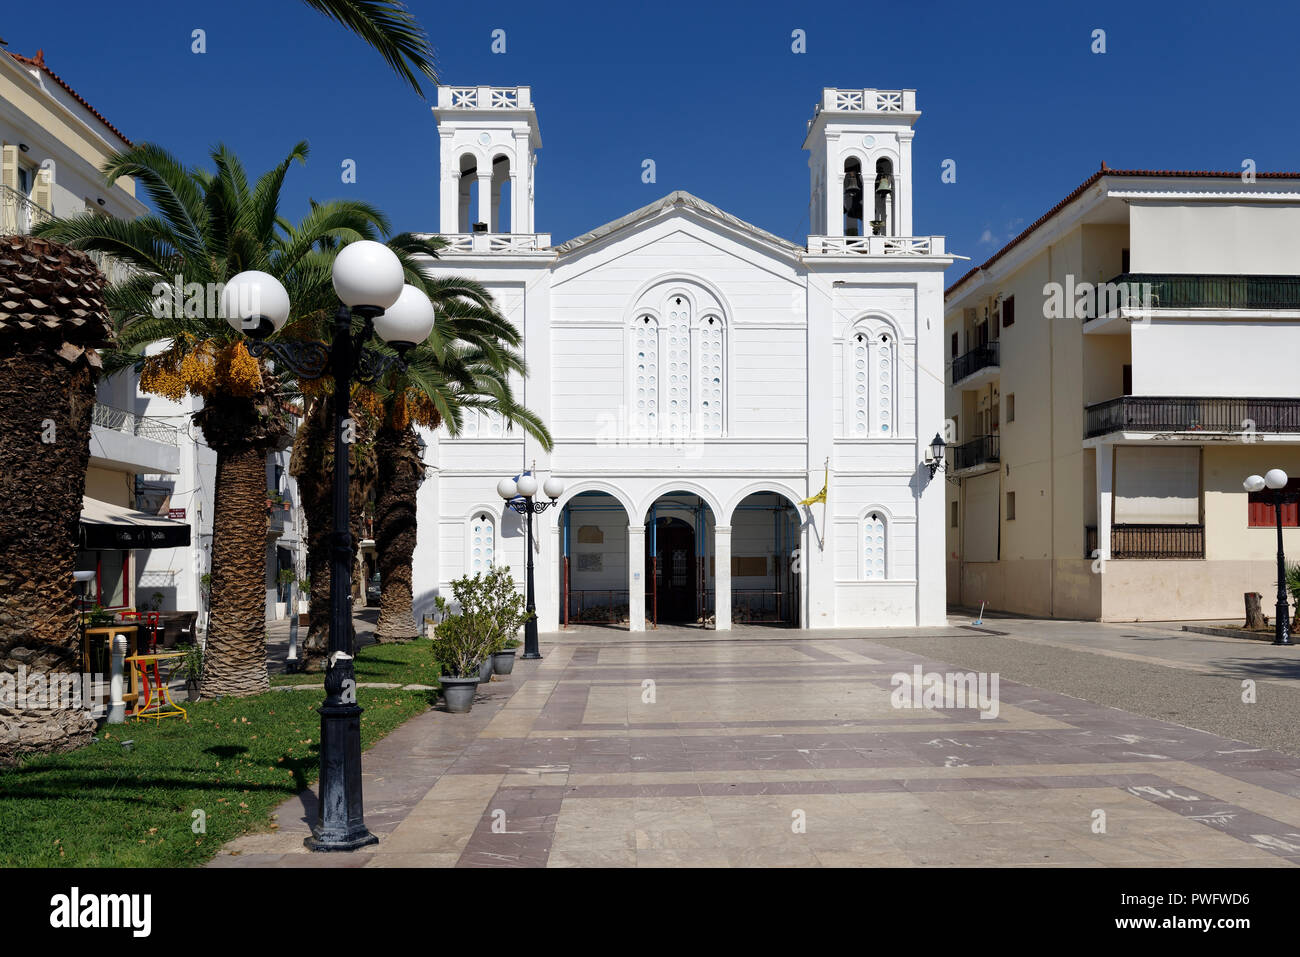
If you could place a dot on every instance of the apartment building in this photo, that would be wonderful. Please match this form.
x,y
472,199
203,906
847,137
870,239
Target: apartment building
x,y
147,524
1114,374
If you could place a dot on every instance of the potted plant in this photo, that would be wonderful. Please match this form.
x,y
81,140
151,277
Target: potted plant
x,y
99,616
503,611
503,661
457,648
304,599
191,669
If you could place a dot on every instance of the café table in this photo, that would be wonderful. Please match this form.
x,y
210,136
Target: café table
x,y
108,632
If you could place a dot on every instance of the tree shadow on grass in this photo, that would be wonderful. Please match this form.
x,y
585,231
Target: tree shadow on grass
x,y
226,750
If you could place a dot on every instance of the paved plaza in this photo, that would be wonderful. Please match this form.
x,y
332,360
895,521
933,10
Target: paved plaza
x,y
785,748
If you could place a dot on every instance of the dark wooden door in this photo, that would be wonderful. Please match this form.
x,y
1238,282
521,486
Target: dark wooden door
x,y
676,573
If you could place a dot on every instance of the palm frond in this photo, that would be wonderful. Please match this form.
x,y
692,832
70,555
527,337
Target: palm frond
x,y
391,30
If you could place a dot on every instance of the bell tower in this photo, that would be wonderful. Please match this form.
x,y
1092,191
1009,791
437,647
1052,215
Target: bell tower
x,y
860,146
488,138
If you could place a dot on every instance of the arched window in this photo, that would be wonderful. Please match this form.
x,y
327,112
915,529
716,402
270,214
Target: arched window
x,y
710,372
676,362
467,192
870,382
875,566
858,413
677,401
645,375
884,223
481,539
884,386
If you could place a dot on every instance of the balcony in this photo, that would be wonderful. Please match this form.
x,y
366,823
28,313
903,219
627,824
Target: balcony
x,y
982,361
145,426
1157,541
18,214
977,452
1191,291
124,441
1191,415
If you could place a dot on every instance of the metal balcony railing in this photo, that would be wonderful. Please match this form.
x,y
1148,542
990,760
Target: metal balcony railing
x,y
981,357
144,426
1203,291
975,452
18,214
1157,541
1143,413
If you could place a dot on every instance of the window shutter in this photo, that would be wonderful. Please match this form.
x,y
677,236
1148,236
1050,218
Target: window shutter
x,y
1259,511
41,193
1157,486
9,165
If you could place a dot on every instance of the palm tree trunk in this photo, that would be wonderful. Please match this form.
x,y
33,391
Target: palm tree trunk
x,y
235,654
48,369
313,467
397,488
41,485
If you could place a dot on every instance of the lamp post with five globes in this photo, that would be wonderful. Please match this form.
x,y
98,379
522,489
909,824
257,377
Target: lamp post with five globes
x,y
519,496
1272,484
370,283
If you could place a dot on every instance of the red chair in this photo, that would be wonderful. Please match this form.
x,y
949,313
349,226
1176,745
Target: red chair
x,y
150,620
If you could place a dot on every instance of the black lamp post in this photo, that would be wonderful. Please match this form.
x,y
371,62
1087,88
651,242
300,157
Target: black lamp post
x,y
1273,487
519,496
368,279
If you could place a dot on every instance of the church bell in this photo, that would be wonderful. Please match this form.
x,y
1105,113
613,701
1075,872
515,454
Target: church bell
x,y
853,194
884,184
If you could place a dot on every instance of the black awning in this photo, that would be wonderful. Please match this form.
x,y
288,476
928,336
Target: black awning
x,y
113,527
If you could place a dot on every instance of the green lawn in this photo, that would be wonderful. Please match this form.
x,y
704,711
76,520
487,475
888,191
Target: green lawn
x,y
410,663
235,760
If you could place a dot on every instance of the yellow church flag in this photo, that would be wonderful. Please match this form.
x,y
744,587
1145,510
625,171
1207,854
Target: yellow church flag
x,y
820,496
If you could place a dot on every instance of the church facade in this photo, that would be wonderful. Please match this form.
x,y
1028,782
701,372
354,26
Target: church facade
x,y
701,378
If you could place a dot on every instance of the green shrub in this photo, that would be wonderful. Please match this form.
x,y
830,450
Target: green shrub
x,y
491,613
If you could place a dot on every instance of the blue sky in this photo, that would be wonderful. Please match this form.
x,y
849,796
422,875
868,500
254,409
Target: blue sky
x,y
711,92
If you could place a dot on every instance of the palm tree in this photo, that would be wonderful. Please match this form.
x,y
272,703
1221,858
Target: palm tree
x,y
464,364
388,27
464,367
52,320
210,225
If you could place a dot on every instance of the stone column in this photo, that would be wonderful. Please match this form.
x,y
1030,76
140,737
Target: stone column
x,y
722,577
485,199
636,577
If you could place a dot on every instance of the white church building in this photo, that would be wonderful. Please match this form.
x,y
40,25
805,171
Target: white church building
x,y
701,377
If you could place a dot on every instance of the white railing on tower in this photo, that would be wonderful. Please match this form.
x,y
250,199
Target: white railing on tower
x,y
876,245
485,97
496,242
